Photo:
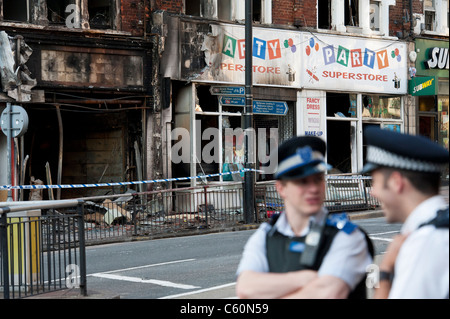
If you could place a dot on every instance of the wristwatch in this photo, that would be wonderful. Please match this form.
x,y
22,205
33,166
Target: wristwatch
x,y
385,275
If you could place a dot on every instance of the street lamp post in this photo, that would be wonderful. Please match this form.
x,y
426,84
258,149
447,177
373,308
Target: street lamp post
x,y
248,116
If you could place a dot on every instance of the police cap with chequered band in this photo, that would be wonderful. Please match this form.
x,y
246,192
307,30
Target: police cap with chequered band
x,y
301,156
387,148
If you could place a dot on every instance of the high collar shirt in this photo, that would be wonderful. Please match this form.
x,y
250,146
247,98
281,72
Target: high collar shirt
x,y
422,265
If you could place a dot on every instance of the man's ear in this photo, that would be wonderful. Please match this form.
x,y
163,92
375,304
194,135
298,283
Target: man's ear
x,y
396,182
279,185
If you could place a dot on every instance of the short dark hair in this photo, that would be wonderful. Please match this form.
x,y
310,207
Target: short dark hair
x,y
426,183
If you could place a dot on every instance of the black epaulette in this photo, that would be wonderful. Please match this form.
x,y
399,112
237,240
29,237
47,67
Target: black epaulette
x,y
274,219
440,221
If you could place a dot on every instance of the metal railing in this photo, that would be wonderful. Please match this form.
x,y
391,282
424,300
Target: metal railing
x,y
176,211
162,213
349,193
41,250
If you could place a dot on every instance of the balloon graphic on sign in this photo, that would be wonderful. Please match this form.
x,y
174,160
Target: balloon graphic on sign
x,y
395,54
290,43
312,45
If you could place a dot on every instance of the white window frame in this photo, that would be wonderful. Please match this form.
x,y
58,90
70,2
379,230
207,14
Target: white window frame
x,y
238,11
28,11
266,8
357,123
440,23
338,17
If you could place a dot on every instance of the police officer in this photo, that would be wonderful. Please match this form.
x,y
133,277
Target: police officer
x,y
306,252
406,179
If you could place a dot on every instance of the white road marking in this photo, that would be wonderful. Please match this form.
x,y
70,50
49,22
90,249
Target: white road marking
x,y
199,291
382,239
388,232
163,283
109,275
145,266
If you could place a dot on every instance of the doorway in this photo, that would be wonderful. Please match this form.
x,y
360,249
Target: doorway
x,y
428,126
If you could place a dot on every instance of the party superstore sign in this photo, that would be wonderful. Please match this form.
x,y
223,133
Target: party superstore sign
x,y
354,64
276,56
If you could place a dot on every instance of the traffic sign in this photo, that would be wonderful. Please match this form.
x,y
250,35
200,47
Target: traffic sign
x,y
227,90
270,107
14,121
232,100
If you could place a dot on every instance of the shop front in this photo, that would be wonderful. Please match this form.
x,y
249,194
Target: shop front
x,y
430,86
349,84
208,99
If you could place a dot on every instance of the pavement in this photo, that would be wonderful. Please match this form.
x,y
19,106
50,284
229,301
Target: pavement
x,y
91,294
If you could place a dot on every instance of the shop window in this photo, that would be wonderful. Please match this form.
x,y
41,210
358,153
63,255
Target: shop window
x,y
100,14
381,107
226,122
17,10
341,105
56,10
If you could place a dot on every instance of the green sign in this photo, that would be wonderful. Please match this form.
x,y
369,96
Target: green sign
x,y
432,57
420,86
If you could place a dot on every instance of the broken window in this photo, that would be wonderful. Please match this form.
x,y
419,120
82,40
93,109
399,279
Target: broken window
x,y
430,15
324,14
56,10
351,13
201,8
17,10
257,11
100,14
229,10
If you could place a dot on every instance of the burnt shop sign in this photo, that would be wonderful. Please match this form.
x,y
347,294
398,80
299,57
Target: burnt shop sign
x,y
438,58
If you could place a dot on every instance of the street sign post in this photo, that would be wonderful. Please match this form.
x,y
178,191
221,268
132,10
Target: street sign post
x,y
14,123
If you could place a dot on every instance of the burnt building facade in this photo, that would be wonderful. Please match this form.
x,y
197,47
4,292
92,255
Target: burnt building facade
x,y
332,68
91,98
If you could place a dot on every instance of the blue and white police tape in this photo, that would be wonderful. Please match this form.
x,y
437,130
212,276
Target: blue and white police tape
x,y
153,181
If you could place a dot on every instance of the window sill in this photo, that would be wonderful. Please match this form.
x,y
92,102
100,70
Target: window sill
x,y
427,32
25,25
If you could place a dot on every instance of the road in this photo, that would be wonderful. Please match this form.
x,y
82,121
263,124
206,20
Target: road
x,y
194,267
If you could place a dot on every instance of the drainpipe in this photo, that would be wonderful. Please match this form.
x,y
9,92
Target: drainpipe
x,y
411,25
